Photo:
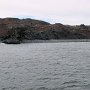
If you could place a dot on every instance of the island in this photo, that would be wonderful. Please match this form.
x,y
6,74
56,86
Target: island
x,y
15,30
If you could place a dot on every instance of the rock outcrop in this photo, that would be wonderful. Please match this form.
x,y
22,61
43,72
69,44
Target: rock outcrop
x,y
14,30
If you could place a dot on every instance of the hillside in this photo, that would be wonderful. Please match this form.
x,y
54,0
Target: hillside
x,y
16,30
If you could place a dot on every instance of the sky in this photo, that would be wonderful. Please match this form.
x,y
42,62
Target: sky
x,y
71,12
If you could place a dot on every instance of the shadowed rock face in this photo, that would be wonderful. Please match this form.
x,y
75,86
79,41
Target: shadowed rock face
x,y
14,29
3,30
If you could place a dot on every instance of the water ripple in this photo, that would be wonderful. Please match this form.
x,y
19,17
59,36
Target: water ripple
x,y
45,66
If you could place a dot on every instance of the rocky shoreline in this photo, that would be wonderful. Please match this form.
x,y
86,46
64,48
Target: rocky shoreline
x,y
56,41
47,41
16,31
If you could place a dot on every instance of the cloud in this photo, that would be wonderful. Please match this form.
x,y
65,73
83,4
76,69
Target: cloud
x,y
65,11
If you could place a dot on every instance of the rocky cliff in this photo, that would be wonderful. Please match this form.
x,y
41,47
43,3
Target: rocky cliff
x,y
15,30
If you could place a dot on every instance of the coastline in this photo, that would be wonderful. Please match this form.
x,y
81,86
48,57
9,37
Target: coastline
x,y
56,41
50,41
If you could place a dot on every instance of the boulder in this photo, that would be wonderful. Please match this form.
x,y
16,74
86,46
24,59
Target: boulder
x,y
11,41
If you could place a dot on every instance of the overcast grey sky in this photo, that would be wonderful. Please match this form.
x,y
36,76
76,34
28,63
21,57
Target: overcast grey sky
x,y
62,11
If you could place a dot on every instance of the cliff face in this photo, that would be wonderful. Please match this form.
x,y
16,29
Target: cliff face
x,y
3,30
6,24
19,29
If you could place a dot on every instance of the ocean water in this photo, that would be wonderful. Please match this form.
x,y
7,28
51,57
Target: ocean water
x,y
45,66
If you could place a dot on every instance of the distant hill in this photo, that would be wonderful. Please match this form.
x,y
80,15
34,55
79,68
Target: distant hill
x,y
15,29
